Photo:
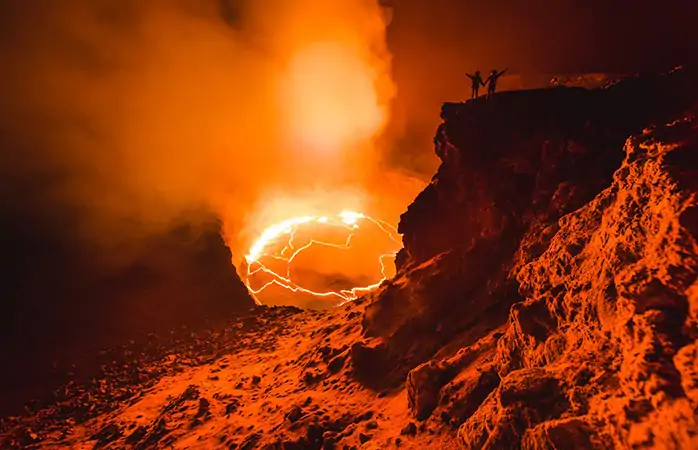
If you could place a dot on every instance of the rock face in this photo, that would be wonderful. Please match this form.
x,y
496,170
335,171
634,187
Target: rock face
x,y
546,298
546,294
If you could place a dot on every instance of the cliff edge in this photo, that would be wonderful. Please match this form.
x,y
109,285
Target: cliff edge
x,y
546,297
548,285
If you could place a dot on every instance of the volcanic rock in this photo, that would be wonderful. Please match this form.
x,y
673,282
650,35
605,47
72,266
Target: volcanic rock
x,y
512,167
546,297
363,438
107,435
586,255
409,430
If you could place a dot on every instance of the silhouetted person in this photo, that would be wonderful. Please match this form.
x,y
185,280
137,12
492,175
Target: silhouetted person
x,y
492,80
476,81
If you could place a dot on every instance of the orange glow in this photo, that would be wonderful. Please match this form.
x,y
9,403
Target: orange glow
x,y
333,91
271,258
181,110
330,98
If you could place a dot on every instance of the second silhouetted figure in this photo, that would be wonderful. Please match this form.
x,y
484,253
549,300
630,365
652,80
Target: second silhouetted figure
x,y
476,83
492,80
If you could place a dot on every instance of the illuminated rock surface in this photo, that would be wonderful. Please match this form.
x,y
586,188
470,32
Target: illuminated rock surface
x,y
546,298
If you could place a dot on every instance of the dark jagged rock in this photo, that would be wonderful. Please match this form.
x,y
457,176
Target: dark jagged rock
x,y
424,382
511,168
107,435
464,395
250,441
566,433
564,220
204,408
528,386
409,430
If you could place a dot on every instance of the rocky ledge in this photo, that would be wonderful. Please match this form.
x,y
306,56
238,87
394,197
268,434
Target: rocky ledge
x,y
546,295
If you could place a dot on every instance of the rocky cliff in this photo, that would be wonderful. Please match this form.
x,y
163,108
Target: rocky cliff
x,y
548,281
546,298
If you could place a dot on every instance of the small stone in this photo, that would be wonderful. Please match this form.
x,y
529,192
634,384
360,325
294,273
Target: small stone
x,y
368,415
294,414
409,430
204,406
329,440
232,406
336,363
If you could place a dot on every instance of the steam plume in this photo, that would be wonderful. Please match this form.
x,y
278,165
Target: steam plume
x,y
136,111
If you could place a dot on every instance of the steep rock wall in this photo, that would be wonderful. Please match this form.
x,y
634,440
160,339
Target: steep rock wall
x,y
609,317
547,284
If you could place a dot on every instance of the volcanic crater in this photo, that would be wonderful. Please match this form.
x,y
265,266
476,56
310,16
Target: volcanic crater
x,y
546,297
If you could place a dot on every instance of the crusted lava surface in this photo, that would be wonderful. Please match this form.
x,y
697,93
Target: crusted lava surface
x,y
546,297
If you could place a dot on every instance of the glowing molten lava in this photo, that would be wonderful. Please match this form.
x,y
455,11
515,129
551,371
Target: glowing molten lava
x,y
279,246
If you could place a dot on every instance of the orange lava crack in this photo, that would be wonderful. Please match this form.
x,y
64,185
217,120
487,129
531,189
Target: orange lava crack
x,y
287,228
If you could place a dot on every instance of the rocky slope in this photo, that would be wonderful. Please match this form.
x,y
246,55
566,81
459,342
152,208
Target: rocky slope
x,y
546,298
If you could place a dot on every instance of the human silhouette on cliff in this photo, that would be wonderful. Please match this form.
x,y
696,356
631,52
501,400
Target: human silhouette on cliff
x,y
476,81
492,81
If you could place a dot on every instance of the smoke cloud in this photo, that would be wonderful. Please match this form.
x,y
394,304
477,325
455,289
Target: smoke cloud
x,y
119,116
132,112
